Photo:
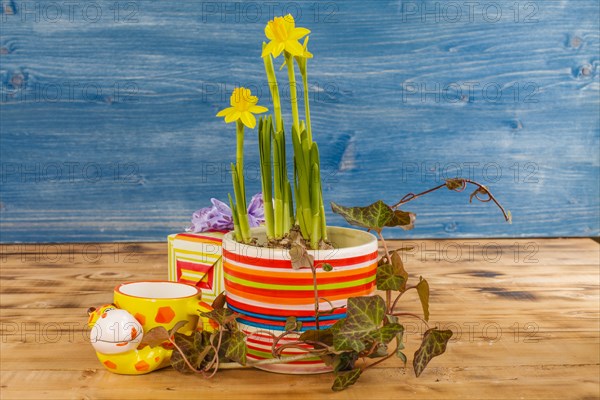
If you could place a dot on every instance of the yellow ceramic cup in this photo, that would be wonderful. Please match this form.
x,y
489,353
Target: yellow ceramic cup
x,y
162,303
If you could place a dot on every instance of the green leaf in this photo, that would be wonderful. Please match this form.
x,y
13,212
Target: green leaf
x,y
455,183
221,315
363,316
388,278
344,361
237,349
381,350
327,267
434,343
300,257
324,336
423,290
176,327
188,345
387,333
346,379
375,216
399,336
292,324
399,267
155,337
219,301
401,356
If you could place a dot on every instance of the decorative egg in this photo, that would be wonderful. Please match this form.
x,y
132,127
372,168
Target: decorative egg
x,y
116,331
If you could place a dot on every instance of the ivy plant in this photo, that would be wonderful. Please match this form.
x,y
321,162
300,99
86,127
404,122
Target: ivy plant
x,y
371,332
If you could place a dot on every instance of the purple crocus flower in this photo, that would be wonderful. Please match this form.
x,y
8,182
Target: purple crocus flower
x,y
218,217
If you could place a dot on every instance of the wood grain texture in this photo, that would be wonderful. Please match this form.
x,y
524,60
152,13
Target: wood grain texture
x,y
108,130
527,326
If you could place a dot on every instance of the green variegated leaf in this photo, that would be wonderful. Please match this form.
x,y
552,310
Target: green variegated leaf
x,y
327,267
220,315
219,301
399,336
292,324
363,316
324,336
434,343
381,350
237,349
344,361
346,379
349,342
188,345
375,216
399,268
155,336
387,333
388,278
423,290
401,356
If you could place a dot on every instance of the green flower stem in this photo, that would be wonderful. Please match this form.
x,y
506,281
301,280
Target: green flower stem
x,y
315,205
239,163
278,159
289,61
272,79
306,100
236,224
265,128
239,186
241,212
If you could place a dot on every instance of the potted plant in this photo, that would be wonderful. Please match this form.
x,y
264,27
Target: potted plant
x,y
300,294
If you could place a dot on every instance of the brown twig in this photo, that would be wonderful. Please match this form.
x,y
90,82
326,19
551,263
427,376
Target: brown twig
x,y
481,189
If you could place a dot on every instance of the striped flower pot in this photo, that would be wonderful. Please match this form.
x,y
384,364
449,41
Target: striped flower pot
x,y
264,289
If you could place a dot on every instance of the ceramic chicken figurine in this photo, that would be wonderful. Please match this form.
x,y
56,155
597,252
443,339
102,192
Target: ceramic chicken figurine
x,y
116,336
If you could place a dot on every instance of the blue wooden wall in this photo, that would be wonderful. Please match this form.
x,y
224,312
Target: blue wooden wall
x,y
108,128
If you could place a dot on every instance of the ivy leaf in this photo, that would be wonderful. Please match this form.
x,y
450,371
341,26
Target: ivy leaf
x,y
344,361
176,327
292,324
434,343
324,336
345,379
455,183
388,278
155,337
387,333
399,267
187,344
300,257
237,349
363,315
221,315
399,336
327,267
423,290
219,301
381,350
375,216
401,356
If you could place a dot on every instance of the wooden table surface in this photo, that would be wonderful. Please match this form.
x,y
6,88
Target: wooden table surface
x,y
525,315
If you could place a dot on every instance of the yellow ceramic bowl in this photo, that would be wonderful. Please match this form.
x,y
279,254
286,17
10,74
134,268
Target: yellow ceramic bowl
x,y
162,303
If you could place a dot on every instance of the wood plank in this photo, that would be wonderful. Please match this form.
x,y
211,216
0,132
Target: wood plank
x,y
522,330
109,130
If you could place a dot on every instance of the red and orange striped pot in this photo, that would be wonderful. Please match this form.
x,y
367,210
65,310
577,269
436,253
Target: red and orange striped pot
x,y
264,289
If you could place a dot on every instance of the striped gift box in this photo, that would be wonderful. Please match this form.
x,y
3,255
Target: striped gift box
x,y
195,259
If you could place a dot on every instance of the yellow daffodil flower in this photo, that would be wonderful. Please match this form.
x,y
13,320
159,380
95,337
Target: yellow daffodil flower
x,y
243,107
284,35
305,52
